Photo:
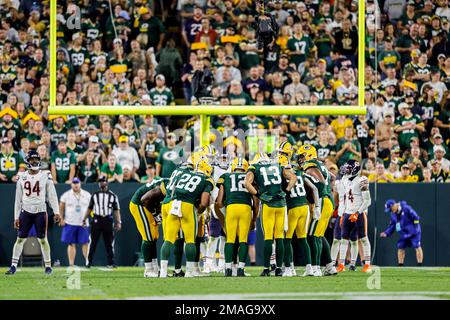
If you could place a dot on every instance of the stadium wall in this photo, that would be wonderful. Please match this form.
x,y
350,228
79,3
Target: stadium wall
x,y
429,200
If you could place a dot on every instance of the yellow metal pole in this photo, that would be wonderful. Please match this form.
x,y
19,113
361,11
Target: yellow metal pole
x,y
53,32
204,129
361,52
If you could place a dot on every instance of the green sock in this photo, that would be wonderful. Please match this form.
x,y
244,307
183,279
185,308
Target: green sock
x,y
305,251
153,251
326,252
166,249
279,251
190,249
267,252
178,252
243,251
146,250
229,252
287,252
235,252
197,248
319,249
313,245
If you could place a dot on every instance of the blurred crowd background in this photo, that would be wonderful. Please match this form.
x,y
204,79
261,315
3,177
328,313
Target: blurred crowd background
x,y
144,52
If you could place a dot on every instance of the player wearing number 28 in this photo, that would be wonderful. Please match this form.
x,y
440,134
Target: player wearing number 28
x,y
189,196
33,189
268,174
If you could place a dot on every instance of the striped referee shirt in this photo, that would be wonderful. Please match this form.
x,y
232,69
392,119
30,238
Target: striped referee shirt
x,y
104,203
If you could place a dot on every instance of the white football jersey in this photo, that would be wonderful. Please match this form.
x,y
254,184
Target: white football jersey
x,y
33,191
354,193
340,189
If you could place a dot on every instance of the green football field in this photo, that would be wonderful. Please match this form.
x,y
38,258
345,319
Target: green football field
x,y
128,283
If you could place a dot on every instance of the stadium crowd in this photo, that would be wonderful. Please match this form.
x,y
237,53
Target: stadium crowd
x,y
146,52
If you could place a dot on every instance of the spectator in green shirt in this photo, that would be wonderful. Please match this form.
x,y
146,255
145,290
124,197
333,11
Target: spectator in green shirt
x,y
10,162
168,158
63,164
112,170
348,147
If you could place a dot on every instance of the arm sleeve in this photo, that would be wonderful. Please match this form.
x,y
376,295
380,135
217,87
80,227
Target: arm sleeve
x,y
18,202
52,197
91,203
390,229
314,190
116,204
364,185
341,207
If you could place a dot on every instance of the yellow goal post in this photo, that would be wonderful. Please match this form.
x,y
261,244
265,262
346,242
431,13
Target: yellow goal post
x,y
205,111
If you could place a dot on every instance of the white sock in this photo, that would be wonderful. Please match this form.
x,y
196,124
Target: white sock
x,y
335,250
343,250
164,265
241,265
273,256
211,250
17,251
196,265
190,265
203,251
45,249
366,250
354,252
222,241
309,267
148,266
228,265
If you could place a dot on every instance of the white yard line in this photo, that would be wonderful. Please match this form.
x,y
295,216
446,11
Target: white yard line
x,y
364,295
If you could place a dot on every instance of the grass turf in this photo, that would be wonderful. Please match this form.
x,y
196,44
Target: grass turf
x,y
128,282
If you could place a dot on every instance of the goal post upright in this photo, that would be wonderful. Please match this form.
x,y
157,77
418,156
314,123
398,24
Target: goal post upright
x,y
205,111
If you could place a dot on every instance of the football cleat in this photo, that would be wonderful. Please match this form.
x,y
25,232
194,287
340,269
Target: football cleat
x,y
265,273
12,270
111,266
309,272
341,267
330,271
294,273
287,272
273,267
228,272
234,270
48,271
178,274
189,274
317,272
150,274
352,267
367,268
278,272
241,272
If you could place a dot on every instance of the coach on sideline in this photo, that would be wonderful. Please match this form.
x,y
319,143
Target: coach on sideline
x,y
104,203
72,206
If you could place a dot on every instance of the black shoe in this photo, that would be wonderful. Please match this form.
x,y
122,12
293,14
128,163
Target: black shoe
x,y
400,264
352,268
228,272
12,270
178,274
253,264
273,267
265,273
48,271
111,266
419,264
278,272
88,266
240,272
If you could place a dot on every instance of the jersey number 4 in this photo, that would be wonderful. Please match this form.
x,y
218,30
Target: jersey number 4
x,y
36,189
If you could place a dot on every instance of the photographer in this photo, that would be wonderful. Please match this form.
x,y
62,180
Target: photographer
x,y
266,26
202,81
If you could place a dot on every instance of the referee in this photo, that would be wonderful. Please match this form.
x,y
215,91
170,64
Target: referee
x,y
104,203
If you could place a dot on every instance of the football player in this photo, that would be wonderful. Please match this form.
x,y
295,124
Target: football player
x,y
317,173
354,219
241,213
190,196
298,222
34,187
268,175
216,233
340,199
145,207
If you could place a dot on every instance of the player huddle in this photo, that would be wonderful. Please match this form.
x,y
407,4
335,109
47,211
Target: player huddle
x,y
224,197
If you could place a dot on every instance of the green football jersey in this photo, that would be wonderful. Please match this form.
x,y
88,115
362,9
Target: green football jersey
x,y
190,185
406,134
9,164
324,188
62,164
162,97
136,198
269,179
172,181
78,57
168,159
235,191
297,196
303,45
57,135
